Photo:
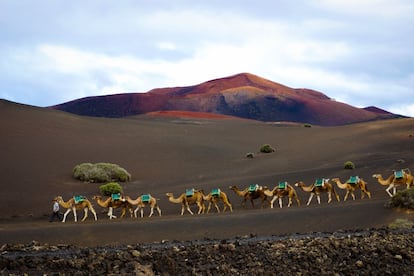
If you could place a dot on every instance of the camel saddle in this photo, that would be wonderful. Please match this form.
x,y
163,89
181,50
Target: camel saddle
x,y
146,198
79,199
353,180
319,182
215,192
116,197
189,192
282,185
253,188
399,174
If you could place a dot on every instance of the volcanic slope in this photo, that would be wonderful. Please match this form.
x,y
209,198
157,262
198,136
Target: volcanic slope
x,y
243,95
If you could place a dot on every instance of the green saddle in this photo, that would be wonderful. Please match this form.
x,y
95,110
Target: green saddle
x,y
116,197
215,192
253,188
319,182
399,174
79,199
146,198
353,180
282,185
189,192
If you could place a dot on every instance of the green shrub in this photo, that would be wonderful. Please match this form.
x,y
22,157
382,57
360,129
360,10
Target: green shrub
x,y
266,148
307,125
100,172
110,188
403,199
348,165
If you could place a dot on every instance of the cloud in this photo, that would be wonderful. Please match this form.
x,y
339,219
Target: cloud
x,y
354,52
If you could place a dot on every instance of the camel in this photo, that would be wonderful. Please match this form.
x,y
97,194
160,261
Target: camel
x,y
280,191
142,201
76,203
187,199
214,197
353,183
404,177
251,193
113,204
317,189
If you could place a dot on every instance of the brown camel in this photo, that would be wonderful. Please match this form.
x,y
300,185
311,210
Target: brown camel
x,y
215,196
141,202
76,203
317,189
113,204
353,183
397,179
251,193
280,191
188,198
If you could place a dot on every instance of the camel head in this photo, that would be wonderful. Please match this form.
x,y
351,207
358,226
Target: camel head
x,y
169,194
376,175
233,188
336,179
96,197
58,198
299,184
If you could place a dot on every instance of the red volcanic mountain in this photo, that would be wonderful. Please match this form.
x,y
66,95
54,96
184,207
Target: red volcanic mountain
x,y
242,95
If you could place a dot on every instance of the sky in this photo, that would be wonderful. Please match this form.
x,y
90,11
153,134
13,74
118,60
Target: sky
x,y
356,52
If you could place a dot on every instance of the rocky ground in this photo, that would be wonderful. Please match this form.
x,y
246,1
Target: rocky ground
x,y
373,252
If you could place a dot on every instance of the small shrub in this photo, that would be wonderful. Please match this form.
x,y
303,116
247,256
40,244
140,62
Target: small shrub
x,y
348,165
307,125
100,172
266,148
110,188
250,155
403,199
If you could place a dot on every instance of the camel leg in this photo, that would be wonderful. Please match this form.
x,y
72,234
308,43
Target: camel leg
x,y
389,188
94,214
208,207
273,200
310,199
65,214
353,195
151,212
85,210
110,213
142,212
136,211
280,202
159,210
217,208
346,195
329,197
75,215
318,197
290,202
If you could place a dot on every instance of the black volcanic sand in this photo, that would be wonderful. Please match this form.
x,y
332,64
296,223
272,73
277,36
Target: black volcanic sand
x,y
40,147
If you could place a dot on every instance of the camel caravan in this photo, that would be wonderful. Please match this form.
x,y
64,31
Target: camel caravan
x,y
216,197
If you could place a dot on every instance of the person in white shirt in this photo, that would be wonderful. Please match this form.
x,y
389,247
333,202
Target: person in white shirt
x,y
56,212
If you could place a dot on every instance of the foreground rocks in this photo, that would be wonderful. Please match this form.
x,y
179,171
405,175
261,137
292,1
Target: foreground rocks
x,y
374,252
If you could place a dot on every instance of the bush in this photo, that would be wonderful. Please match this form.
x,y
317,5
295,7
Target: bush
x,y
403,199
307,125
100,172
110,188
266,148
401,224
348,165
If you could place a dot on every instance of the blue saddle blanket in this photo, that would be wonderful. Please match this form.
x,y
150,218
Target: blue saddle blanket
x,y
353,180
319,182
399,174
282,185
79,199
146,198
116,197
253,188
215,192
189,192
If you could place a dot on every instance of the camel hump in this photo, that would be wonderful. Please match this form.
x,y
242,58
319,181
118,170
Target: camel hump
x,y
253,188
215,192
353,179
282,185
146,198
189,192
